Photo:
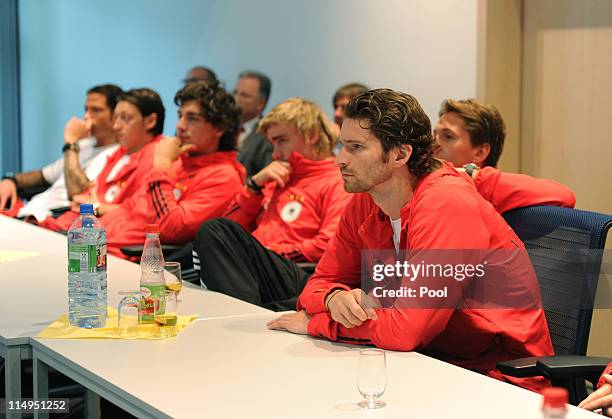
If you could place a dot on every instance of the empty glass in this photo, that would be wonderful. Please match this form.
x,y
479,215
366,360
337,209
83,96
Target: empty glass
x,y
173,277
372,380
128,312
166,314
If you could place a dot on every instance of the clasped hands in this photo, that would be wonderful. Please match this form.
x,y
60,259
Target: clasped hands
x,y
345,307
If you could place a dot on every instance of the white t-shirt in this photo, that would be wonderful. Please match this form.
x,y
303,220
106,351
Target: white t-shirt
x,y
248,127
397,231
92,160
55,170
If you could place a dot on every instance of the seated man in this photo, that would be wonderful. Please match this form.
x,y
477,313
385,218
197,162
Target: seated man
x,y
87,144
200,73
408,202
472,134
194,175
342,97
138,124
602,397
251,94
291,207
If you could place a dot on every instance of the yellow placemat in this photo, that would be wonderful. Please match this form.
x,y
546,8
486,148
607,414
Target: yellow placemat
x,y
61,329
11,255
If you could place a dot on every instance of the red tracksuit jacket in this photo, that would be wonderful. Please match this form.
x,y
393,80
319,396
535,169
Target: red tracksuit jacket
x,y
507,191
445,212
298,220
123,185
197,188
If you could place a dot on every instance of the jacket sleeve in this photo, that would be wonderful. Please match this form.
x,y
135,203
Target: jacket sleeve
x,y
340,265
179,221
507,191
406,329
608,370
245,208
332,208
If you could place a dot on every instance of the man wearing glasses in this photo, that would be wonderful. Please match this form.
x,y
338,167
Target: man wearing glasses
x,y
251,94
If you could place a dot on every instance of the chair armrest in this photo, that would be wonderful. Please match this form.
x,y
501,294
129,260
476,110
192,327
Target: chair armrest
x,y
136,251
56,212
28,193
521,367
307,266
570,366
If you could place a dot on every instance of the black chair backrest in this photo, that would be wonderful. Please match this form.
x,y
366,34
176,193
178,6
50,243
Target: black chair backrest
x,y
566,249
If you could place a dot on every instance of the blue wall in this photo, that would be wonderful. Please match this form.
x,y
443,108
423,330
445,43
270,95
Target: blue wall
x,y
309,48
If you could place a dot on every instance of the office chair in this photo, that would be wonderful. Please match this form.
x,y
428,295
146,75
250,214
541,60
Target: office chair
x,y
566,249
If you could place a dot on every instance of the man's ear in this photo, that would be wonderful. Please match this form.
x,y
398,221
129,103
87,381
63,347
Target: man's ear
x,y
403,155
312,137
480,154
150,121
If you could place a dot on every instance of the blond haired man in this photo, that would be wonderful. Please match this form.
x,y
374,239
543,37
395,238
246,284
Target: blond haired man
x,y
286,213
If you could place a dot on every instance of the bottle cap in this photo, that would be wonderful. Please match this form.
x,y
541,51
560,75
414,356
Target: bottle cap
x,y
554,397
86,208
152,228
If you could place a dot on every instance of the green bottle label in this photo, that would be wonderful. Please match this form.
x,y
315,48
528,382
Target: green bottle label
x,y
86,258
150,293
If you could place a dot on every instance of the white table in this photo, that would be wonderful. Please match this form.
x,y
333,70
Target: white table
x,y
236,368
34,293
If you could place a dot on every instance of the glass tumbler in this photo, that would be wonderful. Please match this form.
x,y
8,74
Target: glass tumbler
x,y
128,312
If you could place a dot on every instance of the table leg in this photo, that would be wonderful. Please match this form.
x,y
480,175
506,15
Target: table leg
x,y
41,383
92,405
12,376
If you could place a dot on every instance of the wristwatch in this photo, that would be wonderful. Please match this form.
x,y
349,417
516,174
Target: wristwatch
x,y
469,168
252,185
73,146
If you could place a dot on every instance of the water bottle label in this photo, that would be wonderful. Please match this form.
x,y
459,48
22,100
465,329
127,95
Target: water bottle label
x,y
87,258
150,293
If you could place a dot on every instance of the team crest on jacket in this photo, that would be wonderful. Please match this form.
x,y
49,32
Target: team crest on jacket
x,y
178,190
112,193
291,211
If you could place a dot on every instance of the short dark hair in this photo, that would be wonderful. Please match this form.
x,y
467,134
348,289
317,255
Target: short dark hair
x,y
148,102
396,118
484,123
349,91
218,108
210,75
110,91
265,85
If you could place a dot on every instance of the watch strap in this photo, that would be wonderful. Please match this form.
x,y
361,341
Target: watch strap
x,y
71,146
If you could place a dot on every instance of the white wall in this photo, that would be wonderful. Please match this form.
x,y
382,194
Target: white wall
x,y
308,48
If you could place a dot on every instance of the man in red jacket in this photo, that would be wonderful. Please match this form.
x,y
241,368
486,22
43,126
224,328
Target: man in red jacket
x,y
409,202
286,213
471,135
138,122
194,176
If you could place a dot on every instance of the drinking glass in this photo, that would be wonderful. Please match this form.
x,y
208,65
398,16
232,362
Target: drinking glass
x,y
173,277
372,380
166,314
128,312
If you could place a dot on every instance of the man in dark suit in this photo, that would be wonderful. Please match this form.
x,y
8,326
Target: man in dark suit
x,y
252,93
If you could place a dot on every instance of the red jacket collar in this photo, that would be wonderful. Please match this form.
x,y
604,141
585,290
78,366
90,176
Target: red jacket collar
x,y
301,166
195,162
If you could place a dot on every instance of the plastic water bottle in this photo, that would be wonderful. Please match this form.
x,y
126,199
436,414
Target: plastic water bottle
x,y
554,404
87,296
152,284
